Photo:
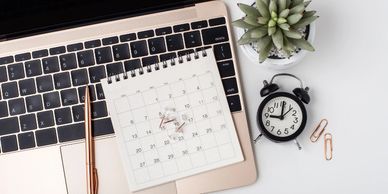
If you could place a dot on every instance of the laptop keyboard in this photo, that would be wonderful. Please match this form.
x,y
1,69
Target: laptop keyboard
x,y
42,92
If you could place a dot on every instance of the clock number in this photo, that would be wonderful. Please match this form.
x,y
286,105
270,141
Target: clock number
x,y
267,123
294,113
286,131
279,132
271,109
266,115
292,127
276,105
296,120
272,128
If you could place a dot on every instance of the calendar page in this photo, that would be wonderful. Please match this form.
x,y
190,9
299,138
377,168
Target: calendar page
x,y
172,123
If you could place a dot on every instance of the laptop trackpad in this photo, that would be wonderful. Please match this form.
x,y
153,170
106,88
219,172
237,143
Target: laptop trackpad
x,y
36,171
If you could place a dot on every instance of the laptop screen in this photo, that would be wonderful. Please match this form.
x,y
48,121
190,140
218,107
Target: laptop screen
x,y
21,17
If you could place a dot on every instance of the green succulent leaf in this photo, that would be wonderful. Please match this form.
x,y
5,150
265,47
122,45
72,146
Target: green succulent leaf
x,y
282,21
284,27
258,32
288,3
262,20
251,20
308,14
277,39
274,14
303,44
293,34
306,3
271,23
288,46
263,42
272,6
284,13
293,19
263,9
271,30
282,5
304,22
249,10
241,24
264,1
296,2
297,9
263,54
246,40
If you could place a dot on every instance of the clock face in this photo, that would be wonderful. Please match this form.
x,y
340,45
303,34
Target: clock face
x,y
282,116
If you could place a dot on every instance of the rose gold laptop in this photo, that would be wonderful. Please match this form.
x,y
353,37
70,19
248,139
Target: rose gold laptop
x,y
49,51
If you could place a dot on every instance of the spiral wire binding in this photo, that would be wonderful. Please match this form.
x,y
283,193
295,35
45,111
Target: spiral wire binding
x,y
140,71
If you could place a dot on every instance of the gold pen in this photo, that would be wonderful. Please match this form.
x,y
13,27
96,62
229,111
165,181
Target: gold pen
x,y
91,170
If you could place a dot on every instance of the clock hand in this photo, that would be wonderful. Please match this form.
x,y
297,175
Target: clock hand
x,y
281,114
275,116
287,112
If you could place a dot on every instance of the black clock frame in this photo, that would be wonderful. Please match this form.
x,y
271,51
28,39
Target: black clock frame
x,y
260,121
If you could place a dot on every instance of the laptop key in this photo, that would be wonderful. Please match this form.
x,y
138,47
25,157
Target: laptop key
x,y
69,97
46,137
85,58
234,103
3,74
79,77
121,52
181,27
132,64
163,31
81,93
22,57
9,125
226,68
26,140
150,60
145,34
6,60
92,44
45,119
110,40
51,100
71,132
57,50
27,87
185,52
63,116
222,51
50,65
128,37
34,103
100,92
3,109
16,71
44,83
68,61
40,53
75,47
16,106
9,143
215,35
115,68
139,48
78,113
102,127
174,42
99,110
167,57
28,122
9,90
97,73
33,68
103,55
217,21
62,80
192,39
199,24
156,45
230,86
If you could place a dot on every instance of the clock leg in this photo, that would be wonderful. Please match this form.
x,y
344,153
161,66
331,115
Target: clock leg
x,y
297,144
257,138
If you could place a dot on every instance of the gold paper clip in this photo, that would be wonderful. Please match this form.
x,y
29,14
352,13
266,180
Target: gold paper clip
x,y
319,130
328,146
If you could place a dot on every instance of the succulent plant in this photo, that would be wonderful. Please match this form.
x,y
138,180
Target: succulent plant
x,y
276,23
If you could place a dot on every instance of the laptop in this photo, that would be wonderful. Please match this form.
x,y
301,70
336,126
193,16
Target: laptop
x,y
50,51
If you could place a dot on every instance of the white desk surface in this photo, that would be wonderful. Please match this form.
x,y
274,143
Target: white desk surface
x,y
348,78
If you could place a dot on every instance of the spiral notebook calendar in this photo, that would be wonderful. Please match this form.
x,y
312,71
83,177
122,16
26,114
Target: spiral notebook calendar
x,y
172,120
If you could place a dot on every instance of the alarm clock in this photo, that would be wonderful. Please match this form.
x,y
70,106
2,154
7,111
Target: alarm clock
x,y
282,116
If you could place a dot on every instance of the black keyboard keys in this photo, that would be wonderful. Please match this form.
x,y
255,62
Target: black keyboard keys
x,y
139,48
40,53
234,103
174,42
6,60
110,40
81,93
33,68
215,35
50,65
145,34
192,39
69,97
102,127
168,56
132,64
45,119
97,73
103,55
9,90
100,92
9,143
9,125
26,140
34,103
199,24
3,74
230,86
16,106
16,71
51,100
3,109
27,87
23,57
163,31
152,60
222,51
115,68
46,137
62,116
68,61
85,58
78,113
226,68
217,21
128,37
92,44
99,110
156,45
75,47
121,52
28,122
44,83
71,132
181,27
79,77
57,50
62,80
